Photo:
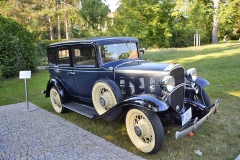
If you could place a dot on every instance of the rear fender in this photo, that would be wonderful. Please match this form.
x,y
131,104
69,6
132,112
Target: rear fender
x,y
59,86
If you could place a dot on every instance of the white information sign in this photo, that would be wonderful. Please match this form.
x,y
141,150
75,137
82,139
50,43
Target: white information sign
x,y
25,75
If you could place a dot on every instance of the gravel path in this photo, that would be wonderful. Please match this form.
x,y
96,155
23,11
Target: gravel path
x,y
42,135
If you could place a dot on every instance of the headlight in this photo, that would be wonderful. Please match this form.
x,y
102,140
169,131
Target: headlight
x,y
167,83
191,74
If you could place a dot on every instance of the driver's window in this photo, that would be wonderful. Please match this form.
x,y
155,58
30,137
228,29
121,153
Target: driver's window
x,y
84,56
113,52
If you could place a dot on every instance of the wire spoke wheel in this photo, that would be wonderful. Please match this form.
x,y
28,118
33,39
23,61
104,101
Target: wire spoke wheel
x,y
145,130
105,95
56,100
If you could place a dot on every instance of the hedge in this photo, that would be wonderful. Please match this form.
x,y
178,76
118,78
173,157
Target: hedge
x,y
17,48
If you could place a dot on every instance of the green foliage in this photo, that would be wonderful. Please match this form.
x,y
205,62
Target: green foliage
x,y
162,24
42,51
1,76
229,13
94,12
17,48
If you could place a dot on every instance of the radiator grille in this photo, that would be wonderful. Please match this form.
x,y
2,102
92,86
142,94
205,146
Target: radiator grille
x,y
177,98
178,74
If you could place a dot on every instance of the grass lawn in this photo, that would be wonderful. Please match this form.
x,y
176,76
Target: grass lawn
x,y
218,138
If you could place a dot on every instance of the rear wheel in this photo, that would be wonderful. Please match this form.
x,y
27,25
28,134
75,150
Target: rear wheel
x,y
145,130
56,100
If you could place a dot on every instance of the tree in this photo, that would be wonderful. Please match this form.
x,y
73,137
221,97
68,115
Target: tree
x,y
94,12
229,13
150,21
42,16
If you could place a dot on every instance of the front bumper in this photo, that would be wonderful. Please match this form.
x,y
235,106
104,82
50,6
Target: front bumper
x,y
197,123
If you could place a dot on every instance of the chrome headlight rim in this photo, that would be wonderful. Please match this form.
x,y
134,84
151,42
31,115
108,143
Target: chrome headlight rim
x,y
167,83
191,74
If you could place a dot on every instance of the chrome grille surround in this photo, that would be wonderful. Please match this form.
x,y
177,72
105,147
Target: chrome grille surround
x,y
176,97
178,74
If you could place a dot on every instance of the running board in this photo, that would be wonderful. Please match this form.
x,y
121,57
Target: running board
x,y
85,110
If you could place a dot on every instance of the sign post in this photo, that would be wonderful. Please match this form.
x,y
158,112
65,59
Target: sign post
x,y
26,75
197,41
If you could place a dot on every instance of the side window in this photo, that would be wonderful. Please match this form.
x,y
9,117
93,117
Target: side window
x,y
52,57
84,56
63,57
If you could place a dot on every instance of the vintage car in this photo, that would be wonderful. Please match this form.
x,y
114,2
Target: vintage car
x,y
106,78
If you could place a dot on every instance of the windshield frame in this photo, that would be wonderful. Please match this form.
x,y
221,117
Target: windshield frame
x,y
118,51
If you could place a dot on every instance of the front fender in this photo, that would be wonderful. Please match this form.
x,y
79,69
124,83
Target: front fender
x,y
202,82
147,101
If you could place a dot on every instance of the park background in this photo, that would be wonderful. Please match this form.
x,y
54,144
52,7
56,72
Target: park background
x,y
165,28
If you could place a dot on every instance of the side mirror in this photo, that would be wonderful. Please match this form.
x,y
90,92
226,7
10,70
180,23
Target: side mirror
x,y
142,50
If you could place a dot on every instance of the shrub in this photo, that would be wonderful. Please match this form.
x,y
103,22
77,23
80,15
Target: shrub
x,y
17,48
1,78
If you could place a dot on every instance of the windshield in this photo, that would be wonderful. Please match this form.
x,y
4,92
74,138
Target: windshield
x,y
113,52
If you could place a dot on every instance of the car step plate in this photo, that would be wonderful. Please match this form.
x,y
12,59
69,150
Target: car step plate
x,y
85,110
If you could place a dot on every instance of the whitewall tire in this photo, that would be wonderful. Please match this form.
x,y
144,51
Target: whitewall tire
x,y
105,95
145,130
56,100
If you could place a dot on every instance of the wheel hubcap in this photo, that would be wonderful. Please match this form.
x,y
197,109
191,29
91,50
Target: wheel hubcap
x,y
102,101
54,100
138,131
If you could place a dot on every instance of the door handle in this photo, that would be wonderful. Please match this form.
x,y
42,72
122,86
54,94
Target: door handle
x,y
72,73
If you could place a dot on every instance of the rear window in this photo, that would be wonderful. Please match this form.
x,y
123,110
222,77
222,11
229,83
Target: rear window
x,y
52,57
63,56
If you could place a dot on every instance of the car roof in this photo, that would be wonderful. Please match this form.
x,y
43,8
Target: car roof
x,y
99,40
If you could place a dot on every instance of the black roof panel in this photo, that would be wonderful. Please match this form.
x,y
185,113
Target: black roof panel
x,y
99,40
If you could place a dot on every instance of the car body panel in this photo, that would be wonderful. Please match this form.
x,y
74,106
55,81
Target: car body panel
x,y
76,66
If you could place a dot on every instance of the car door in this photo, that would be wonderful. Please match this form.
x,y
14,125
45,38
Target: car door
x,y
62,69
85,70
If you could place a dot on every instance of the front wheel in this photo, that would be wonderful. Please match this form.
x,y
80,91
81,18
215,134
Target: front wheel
x,y
206,99
145,130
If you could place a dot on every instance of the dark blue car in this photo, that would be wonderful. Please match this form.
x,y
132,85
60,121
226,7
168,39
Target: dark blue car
x,y
106,78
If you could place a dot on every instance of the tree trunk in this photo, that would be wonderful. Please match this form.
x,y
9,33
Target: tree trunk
x,y
59,21
59,28
215,22
67,28
50,28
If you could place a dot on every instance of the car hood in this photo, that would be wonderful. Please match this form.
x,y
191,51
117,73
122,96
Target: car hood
x,y
144,66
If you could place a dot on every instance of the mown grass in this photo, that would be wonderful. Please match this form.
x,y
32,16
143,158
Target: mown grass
x,y
218,138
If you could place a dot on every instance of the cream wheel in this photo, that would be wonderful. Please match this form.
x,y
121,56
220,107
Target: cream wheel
x,y
145,130
56,100
105,95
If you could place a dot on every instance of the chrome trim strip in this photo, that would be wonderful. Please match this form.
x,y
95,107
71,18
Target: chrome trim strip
x,y
143,71
129,62
123,64
196,124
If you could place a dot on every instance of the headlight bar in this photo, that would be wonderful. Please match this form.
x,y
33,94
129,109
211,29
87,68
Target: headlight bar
x,y
167,83
191,74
